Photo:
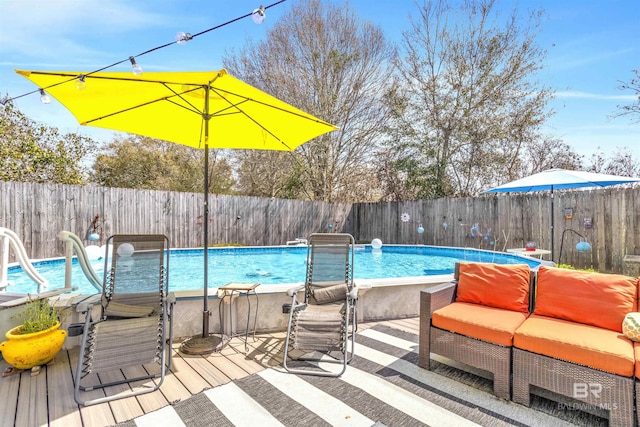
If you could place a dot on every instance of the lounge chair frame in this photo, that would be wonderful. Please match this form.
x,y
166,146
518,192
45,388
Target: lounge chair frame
x,y
348,306
117,337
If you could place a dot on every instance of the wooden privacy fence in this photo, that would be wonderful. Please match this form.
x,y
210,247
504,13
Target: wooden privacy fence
x,y
608,218
38,212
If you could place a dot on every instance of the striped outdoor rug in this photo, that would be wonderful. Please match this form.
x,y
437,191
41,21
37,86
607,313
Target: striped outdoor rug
x,y
383,386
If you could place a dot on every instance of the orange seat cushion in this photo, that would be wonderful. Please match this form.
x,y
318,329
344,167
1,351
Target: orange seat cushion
x,y
494,285
590,298
585,345
490,324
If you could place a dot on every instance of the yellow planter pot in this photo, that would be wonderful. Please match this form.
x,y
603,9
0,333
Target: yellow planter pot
x,y
24,351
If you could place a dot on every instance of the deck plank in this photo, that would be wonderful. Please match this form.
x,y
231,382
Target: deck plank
x,y
149,401
95,415
9,387
63,410
24,397
123,409
226,366
235,352
264,350
172,389
248,365
207,370
190,378
32,399
269,352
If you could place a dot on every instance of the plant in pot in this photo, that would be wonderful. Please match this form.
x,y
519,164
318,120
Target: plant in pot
x,y
38,339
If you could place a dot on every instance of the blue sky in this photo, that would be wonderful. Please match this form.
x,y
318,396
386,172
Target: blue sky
x,y
592,46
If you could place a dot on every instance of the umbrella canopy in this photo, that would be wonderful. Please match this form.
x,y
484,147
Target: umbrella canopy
x,y
184,107
560,179
176,107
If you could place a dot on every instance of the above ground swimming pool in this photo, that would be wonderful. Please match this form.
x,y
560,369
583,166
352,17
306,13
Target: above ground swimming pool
x,y
275,265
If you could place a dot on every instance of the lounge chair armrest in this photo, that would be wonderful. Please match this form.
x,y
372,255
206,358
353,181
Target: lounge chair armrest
x,y
292,291
171,298
353,294
300,306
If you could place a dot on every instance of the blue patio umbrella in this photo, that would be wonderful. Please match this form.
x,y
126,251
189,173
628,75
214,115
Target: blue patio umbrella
x,y
560,179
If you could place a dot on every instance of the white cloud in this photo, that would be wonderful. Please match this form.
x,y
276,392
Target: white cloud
x,y
49,29
571,57
588,95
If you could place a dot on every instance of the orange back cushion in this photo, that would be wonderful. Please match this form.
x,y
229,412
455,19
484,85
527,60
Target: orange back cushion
x,y
494,285
590,298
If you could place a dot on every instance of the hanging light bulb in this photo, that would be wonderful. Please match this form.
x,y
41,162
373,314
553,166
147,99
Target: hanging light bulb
x,y
135,68
80,83
44,98
259,15
183,38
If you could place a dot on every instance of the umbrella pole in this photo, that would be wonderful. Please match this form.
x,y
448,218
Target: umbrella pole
x,y
205,312
205,343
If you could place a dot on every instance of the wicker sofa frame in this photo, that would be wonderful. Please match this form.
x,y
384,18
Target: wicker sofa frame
x,y
517,372
493,358
601,390
637,390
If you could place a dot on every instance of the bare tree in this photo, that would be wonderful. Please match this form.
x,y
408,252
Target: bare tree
x,y
267,174
547,153
468,107
321,58
621,162
632,109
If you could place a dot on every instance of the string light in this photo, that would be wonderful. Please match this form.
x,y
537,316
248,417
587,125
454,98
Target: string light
x,y
44,98
183,38
258,15
80,83
135,68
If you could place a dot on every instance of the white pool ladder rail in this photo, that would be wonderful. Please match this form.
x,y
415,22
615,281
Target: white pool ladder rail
x,y
9,239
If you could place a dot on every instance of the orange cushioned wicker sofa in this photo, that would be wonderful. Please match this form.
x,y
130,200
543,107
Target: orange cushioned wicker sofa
x,y
558,335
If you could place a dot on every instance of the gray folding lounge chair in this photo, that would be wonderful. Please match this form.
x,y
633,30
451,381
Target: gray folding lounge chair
x,y
130,324
325,319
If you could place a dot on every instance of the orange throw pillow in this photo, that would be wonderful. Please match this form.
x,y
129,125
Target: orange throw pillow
x,y
596,299
494,285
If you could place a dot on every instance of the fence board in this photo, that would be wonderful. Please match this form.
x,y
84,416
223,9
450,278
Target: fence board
x,y
38,212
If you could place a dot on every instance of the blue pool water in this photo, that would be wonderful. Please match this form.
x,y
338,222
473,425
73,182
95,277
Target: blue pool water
x,y
276,265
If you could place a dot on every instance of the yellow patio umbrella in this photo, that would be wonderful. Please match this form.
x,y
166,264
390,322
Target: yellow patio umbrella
x,y
184,107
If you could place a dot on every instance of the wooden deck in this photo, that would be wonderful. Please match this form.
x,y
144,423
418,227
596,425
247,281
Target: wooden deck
x,y
46,399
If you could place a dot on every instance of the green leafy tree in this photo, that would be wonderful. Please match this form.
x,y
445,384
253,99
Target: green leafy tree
x,y
147,163
34,152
